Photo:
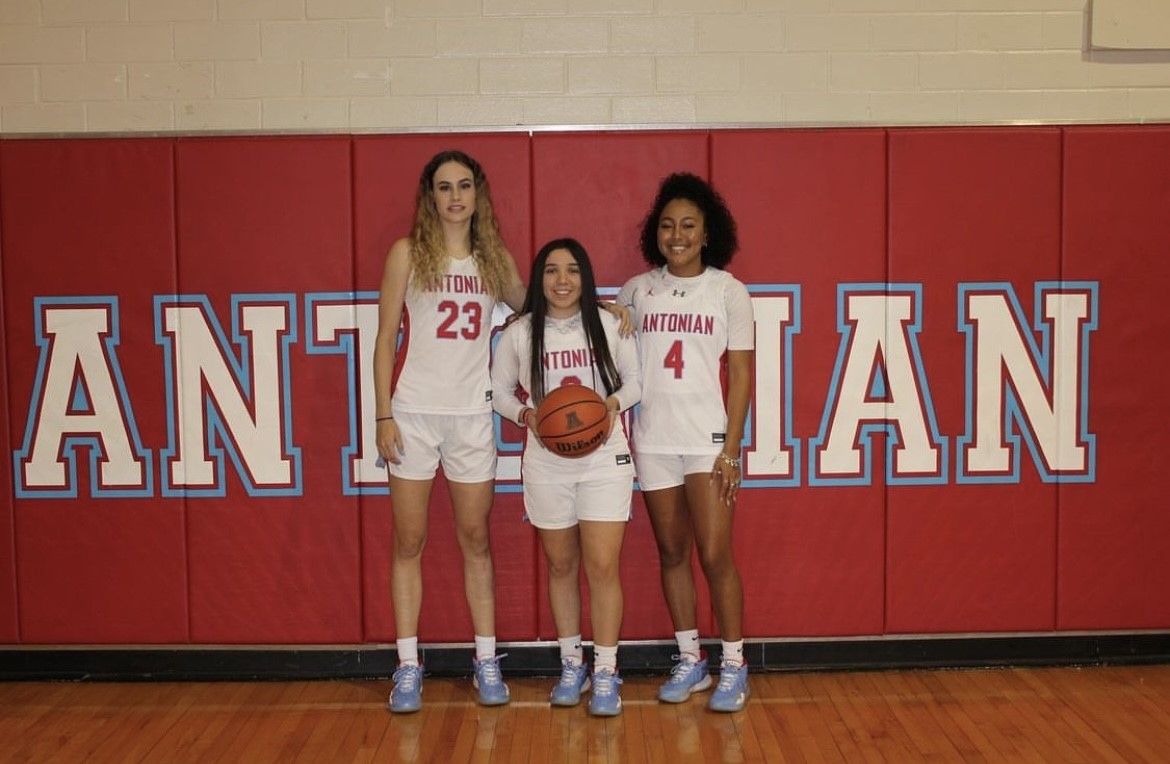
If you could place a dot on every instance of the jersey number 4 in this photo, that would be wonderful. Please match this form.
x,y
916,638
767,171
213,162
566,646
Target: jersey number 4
x,y
472,313
674,359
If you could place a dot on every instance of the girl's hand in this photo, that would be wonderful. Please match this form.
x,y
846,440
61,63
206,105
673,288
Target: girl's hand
x,y
626,327
726,470
614,406
528,419
389,441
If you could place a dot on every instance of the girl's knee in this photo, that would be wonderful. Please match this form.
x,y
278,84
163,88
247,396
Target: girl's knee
x,y
559,569
409,546
716,561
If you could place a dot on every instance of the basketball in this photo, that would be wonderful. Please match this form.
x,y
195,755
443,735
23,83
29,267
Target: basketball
x,y
572,421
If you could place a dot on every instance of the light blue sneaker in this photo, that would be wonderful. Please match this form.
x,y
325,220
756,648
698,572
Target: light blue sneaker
x,y
406,697
574,681
686,677
733,691
605,700
490,682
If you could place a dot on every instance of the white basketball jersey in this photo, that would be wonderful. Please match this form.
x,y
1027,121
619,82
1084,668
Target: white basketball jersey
x,y
567,360
685,325
443,360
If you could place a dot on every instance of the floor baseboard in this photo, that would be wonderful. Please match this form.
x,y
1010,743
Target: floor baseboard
x,y
238,663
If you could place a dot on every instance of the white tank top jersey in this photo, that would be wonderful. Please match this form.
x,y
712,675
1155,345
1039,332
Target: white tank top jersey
x,y
567,359
684,327
443,360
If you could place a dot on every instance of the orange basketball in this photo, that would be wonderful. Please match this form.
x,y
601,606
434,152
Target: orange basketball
x,y
572,421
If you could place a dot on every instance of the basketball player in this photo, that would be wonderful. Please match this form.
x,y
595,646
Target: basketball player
x,y
690,314
579,506
446,277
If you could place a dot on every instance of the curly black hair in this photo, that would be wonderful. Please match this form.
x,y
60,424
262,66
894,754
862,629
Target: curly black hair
x,y
722,240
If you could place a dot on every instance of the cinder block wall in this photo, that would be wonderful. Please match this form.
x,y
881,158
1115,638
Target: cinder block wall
x,y
354,65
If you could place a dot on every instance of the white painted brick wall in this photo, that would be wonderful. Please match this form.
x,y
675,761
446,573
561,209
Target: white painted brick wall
x,y
418,77
349,78
468,112
525,7
644,111
522,76
18,84
348,9
217,115
392,39
28,44
172,10
83,11
126,43
584,35
585,110
261,10
303,40
83,82
117,116
182,81
20,12
369,65
217,41
382,113
303,113
479,38
43,118
257,79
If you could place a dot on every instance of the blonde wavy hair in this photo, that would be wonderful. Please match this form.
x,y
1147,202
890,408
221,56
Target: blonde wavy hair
x,y
428,251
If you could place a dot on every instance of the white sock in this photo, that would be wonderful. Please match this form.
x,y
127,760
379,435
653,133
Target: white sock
x,y
733,653
407,651
571,649
485,647
688,644
605,657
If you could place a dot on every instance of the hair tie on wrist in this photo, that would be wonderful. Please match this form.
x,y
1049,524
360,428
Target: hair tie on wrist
x,y
382,418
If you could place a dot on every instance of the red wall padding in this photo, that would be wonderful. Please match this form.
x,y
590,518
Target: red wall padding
x,y
221,221
799,195
275,214
9,631
94,218
1114,541
971,206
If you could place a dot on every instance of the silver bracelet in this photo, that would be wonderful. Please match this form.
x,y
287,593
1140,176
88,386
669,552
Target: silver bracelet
x,y
728,460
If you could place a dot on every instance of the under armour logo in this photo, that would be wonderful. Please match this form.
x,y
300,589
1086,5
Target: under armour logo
x,y
678,293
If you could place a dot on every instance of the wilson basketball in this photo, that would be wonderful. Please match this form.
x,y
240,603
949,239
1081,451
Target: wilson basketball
x,y
572,421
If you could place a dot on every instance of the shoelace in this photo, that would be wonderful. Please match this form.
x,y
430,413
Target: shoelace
x,y
603,682
727,677
568,673
406,677
678,674
491,670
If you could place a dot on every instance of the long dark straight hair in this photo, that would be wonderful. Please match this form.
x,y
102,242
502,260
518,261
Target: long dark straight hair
x,y
536,305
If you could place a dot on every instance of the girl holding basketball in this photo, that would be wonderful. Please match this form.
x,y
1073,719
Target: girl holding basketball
x,y
691,315
447,277
579,506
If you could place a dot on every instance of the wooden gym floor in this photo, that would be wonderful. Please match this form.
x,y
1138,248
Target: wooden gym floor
x,y
1093,714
